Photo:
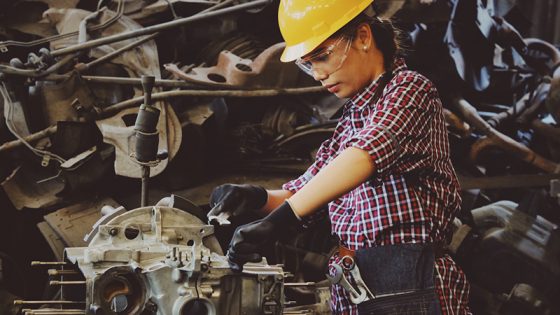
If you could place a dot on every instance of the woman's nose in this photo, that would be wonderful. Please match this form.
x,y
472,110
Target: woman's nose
x,y
319,75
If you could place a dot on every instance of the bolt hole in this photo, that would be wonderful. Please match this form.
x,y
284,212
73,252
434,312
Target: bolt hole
x,y
190,243
131,233
216,78
243,67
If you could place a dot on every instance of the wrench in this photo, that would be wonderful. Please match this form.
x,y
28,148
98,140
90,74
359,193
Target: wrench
x,y
340,279
366,293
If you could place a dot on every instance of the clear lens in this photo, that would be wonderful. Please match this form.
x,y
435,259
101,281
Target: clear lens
x,y
327,60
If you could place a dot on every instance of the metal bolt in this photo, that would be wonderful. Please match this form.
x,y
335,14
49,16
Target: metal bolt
x,y
203,267
113,231
151,306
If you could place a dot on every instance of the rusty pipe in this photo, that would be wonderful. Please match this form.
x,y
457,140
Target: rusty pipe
x,y
123,81
159,27
504,142
32,137
211,93
457,124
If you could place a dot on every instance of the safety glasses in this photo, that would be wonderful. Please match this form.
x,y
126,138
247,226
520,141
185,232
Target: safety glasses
x,y
326,60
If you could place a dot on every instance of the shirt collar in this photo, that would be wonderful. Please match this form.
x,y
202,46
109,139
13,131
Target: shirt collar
x,y
362,97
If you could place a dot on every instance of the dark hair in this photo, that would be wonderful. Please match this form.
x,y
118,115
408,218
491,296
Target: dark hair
x,y
386,36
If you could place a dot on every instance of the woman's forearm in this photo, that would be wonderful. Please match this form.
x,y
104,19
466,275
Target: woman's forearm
x,y
348,170
275,199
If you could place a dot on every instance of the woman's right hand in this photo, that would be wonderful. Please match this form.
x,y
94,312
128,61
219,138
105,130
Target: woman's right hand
x,y
237,200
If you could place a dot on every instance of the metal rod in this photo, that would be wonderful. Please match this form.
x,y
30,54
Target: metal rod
x,y
53,312
122,80
23,302
56,272
145,178
216,7
211,93
47,263
299,284
56,282
32,137
159,27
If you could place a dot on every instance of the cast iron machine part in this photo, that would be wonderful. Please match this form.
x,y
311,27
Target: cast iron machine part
x,y
147,137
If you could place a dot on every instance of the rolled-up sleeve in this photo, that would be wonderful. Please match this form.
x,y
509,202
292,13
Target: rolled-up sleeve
x,y
398,125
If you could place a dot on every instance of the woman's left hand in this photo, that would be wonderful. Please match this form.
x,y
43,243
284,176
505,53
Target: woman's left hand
x,y
248,239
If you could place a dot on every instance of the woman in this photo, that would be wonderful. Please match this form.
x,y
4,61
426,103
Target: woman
x,y
385,174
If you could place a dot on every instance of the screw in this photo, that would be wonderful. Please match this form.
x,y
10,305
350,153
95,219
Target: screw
x,y
113,231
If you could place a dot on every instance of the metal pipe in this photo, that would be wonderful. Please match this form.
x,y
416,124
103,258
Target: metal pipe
x,y
56,272
123,81
158,28
53,312
503,141
456,123
32,137
48,263
145,178
23,302
300,284
56,282
211,93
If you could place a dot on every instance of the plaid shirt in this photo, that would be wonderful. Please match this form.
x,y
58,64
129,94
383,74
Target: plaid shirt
x,y
414,195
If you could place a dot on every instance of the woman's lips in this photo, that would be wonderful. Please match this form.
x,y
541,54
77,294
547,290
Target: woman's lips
x,y
333,88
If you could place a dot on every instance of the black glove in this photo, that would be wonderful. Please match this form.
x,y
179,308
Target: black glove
x,y
237,199
249,238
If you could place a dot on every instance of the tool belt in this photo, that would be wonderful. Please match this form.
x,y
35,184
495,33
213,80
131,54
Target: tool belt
x,y
398,279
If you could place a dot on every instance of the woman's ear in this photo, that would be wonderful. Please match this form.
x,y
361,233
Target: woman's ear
x,y
364,37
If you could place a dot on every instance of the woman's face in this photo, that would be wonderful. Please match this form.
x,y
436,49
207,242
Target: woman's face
x,y
345,65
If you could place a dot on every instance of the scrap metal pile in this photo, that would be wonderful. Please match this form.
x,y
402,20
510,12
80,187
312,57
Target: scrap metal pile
x,y
71,75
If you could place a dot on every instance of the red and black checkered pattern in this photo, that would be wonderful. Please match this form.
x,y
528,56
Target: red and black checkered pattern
x,y
414,195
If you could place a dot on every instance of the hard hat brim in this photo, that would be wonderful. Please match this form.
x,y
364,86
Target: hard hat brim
x,y
295,51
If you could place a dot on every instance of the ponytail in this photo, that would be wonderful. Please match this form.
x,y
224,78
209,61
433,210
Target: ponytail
x,y
386,36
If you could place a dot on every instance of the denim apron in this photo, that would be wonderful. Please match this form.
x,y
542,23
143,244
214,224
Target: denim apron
x,y
402,279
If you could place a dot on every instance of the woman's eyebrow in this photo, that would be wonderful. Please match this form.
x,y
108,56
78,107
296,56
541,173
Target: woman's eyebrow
x,y
316,51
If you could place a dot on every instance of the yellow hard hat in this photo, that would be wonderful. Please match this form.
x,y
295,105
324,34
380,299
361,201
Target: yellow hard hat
x,y
305,24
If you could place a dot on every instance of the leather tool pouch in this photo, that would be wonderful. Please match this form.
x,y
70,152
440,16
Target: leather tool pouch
x,y
401,277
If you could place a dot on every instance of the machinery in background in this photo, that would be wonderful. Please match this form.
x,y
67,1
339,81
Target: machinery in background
x,y
70,90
